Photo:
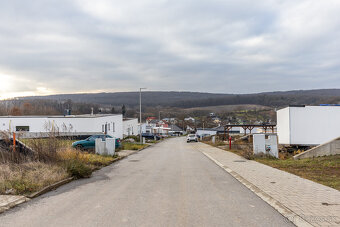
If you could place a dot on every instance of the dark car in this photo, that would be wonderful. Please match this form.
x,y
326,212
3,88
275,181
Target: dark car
x,y
150,136
90,142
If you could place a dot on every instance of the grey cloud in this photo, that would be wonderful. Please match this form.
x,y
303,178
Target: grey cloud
x,y
214,46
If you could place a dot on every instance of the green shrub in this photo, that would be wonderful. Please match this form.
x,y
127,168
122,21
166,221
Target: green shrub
x,y
78,169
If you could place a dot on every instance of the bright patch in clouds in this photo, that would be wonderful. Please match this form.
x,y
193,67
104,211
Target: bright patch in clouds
x,y
236,46
12,86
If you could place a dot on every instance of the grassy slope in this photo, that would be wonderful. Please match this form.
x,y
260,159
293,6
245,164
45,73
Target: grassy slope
x,y
323,170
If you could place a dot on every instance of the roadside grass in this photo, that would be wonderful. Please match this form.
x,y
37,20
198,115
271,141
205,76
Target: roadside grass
x,y
46,141
29,177
132,146
323,170
216,144
93,161
53,160
152,141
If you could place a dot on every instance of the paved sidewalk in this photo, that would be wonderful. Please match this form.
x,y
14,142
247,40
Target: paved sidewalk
x,y
302,201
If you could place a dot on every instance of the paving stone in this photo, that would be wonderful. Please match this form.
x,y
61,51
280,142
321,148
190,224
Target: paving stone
x,y
304,197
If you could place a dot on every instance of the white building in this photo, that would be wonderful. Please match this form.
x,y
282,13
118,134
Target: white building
x,y
308,125
130,127
111,124
206,132
147,128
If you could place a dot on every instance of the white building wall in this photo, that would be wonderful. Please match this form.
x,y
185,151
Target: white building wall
x,y
200,132
283,125
114,125
72,124
310,125
130,127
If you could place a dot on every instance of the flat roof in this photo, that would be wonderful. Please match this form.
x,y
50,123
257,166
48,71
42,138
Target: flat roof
x,y
64,116
129,119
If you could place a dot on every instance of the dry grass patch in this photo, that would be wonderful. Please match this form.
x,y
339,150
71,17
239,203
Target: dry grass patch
x,y
132,146
323,170
51,161
86,158
29,177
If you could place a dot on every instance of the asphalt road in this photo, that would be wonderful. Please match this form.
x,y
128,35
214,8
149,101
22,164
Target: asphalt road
x,y
169,184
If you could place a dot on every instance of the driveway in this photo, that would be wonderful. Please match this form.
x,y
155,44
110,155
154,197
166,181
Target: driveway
x,y
169,184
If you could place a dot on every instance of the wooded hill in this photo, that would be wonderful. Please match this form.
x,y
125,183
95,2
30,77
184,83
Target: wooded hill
x,y
198,99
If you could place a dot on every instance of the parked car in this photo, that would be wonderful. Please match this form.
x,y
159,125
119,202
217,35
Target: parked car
x,y
151,136
90,142
192,137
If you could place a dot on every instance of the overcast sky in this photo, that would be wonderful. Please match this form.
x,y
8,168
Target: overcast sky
x,y
221,46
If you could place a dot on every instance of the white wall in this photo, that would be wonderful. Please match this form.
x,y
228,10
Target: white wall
x,y
130,127
283,125
209,132
310,125
65,124
116,125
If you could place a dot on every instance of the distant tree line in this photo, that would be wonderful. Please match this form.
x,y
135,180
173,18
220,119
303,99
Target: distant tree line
x,y
197,99
45,107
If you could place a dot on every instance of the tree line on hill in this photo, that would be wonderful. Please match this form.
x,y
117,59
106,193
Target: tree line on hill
x,y
128,102
198,99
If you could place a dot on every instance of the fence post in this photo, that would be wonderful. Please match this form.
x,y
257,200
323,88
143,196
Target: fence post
x,y
229,142
14,141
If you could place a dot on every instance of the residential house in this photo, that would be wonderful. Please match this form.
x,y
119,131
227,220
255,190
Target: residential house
x,y
87,124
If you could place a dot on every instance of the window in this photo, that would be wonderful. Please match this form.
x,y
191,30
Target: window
x,y
103,128
108,127
113,127
22,128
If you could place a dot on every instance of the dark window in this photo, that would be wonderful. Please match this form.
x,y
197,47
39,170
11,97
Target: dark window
x,y
22,128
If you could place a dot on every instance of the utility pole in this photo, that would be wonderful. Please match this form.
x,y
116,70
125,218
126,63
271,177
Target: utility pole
x,y
140,116
159,115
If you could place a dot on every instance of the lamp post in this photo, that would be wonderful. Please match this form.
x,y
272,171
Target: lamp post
x,y
140,115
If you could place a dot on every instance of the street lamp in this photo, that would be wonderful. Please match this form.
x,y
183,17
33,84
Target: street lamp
x,y
140,115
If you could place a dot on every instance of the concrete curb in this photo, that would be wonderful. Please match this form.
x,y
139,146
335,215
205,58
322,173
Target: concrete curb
x,y
285,211
143,148
135,151
68,180
50,187
54,186
13,204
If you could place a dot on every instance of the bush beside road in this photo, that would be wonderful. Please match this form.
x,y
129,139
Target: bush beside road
x,y
51,161
31,176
